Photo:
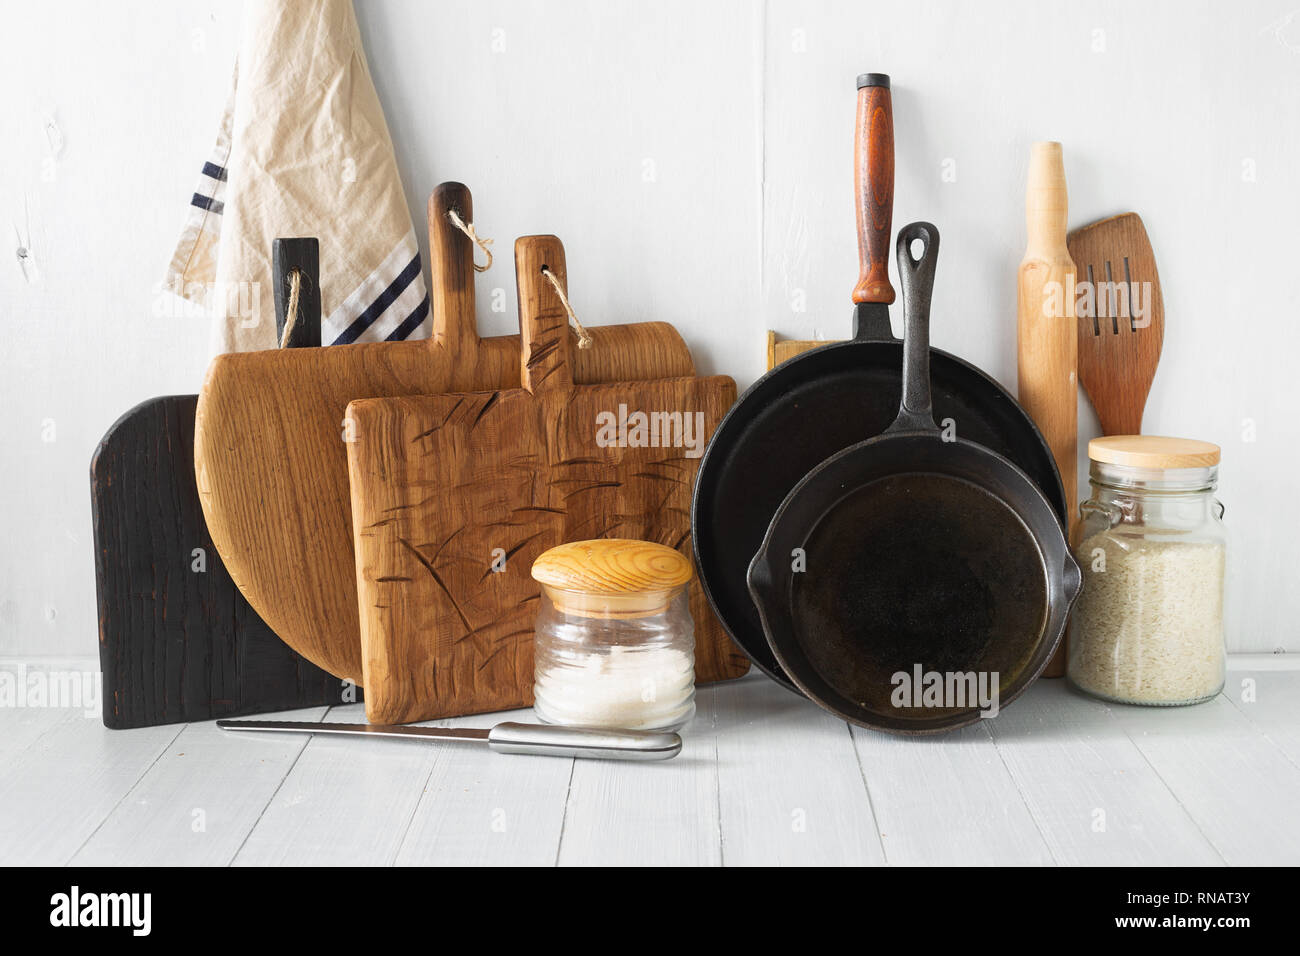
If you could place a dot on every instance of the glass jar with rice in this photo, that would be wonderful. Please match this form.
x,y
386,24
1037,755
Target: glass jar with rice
x,y
1148,627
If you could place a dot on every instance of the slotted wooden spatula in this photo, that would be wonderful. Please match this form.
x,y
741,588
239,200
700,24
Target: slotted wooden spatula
x,y
1121,319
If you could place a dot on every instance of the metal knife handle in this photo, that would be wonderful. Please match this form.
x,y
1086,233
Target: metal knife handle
x,y
595,742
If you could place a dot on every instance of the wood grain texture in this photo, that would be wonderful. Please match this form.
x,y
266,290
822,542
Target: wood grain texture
x,y
1118,350
1154,451
176,643
873,187
271,457
1091,793
873,181
1235,782
447,487
1174,784
56,792
791,790
779,350
1047,356
341,804
612,566
481,810
215,809
982,822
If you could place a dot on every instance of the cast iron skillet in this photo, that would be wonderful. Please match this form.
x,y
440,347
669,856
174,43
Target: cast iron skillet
x,y
921,555
814,405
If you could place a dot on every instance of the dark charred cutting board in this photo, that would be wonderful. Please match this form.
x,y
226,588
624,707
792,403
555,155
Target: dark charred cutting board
x,y
177,641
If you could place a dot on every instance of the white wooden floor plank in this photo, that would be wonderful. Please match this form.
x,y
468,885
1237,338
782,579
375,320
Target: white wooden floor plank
x,y
198,802
647,814
1238,785
790,788
483,808
1270,700
765,778
947,800
58,790
26,709
346,802
1091,792
21,727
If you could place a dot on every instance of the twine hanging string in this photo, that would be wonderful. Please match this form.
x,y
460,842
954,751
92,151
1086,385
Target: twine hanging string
x,y
584,337
291,312
474,238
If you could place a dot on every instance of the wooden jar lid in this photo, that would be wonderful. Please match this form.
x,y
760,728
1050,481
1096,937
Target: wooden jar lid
x,y
1153,451
618,577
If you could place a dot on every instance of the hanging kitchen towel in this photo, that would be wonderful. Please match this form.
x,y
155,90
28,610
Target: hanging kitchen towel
x,y
303,150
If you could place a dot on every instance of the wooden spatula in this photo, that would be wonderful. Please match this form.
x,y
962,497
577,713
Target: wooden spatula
x,y
1121,319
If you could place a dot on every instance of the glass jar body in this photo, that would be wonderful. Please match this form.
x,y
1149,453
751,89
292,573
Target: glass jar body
x,y
607,666
1148,627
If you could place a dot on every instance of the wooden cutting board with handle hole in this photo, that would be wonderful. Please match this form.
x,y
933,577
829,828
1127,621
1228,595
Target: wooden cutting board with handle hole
x,y
270,452
454,496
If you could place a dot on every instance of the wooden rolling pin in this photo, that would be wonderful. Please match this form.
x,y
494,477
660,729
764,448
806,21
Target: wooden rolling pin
x,y
1046,334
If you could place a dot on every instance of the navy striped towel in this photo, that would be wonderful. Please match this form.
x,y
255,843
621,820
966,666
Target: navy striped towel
x,y
303,150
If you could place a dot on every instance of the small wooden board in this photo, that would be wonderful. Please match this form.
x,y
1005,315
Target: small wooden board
x,y
177,641
779,350
454,496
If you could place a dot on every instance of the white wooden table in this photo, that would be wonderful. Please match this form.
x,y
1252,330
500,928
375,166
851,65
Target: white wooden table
x,y
764,778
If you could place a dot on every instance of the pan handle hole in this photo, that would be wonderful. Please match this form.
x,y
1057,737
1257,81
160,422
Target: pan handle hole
x,y
916,249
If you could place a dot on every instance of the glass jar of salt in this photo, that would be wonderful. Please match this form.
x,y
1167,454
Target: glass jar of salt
x,y
1148,627
614,644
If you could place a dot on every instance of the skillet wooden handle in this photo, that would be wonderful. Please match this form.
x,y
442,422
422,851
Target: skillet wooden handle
x,y
544,337
873,178
452,295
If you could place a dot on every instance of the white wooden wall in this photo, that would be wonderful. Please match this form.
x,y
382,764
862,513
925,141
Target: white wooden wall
x,y
697,160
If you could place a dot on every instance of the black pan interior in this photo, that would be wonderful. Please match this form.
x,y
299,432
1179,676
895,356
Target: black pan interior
x,y
916,552
917,570
802,413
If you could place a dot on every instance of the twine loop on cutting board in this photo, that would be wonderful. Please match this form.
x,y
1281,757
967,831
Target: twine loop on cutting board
x,y
468,229
584,337
291,311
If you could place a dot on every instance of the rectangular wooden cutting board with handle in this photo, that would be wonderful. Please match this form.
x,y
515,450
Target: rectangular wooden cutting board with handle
x,y
270,439
454,496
